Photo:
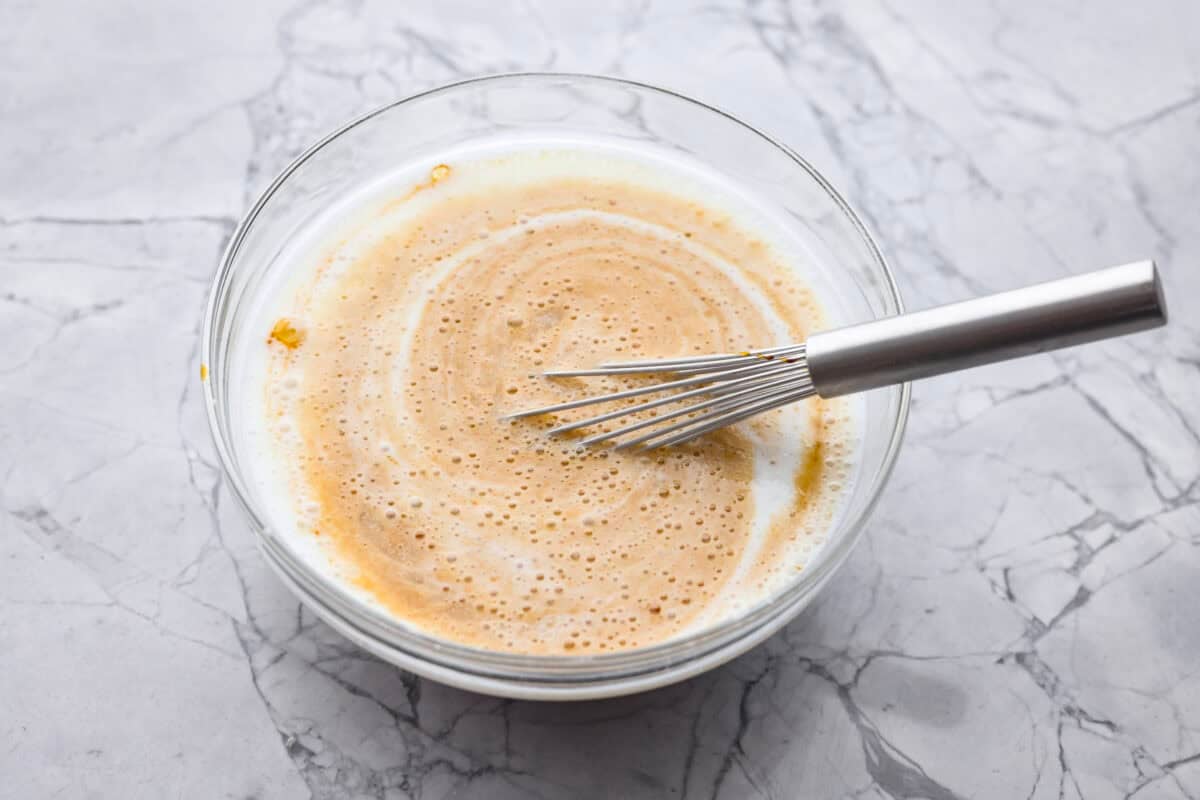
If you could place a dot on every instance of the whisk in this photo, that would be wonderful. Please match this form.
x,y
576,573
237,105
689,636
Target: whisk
x,y
720,390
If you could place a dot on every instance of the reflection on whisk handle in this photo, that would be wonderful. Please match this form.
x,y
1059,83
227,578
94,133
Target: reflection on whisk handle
x,y
1061,313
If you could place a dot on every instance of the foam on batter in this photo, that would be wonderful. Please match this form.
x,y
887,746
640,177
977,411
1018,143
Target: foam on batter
x,y
411,320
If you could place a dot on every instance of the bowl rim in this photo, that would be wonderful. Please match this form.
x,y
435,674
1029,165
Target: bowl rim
x,y
388,631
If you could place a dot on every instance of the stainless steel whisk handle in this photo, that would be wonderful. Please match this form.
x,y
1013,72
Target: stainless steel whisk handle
x,y
1046,316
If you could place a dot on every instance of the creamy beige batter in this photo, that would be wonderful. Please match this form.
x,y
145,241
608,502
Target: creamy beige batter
x,y
391,368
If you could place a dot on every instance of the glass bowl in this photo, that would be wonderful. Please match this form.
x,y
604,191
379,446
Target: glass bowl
x,y
554,107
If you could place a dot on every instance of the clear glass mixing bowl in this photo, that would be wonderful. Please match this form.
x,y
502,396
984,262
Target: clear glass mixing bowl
x,y
552,106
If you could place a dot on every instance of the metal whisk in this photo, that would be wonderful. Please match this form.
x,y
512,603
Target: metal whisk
x,y
729,388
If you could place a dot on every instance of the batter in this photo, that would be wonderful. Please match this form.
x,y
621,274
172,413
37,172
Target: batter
x,y
389,362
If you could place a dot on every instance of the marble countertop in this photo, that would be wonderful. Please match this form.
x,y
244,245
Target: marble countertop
x,y
1020,620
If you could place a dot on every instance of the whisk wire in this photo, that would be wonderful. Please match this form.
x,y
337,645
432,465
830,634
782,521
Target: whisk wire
x,y
720,402
732,384
749,373
675,364
690,429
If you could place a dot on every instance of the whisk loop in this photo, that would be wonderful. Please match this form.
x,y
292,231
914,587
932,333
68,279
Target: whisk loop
x,y
728,387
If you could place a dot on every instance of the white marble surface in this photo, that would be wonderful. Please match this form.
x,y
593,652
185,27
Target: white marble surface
x,y
1021,620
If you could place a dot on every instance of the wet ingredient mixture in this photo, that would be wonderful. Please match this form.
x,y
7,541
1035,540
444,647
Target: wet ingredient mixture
x,y
391,363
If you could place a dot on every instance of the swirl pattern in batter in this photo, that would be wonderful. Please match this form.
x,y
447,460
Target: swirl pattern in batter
x,y
393,363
